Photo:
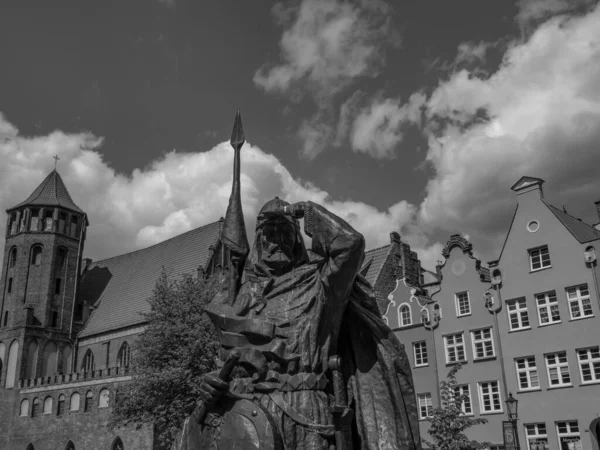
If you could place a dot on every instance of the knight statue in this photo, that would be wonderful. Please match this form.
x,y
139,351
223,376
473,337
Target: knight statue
x,y
306,361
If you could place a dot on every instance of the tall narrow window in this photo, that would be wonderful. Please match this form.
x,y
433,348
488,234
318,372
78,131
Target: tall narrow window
x,y
62,222
518,317
405,316
54,320
463,305
547,305
24,410
483,343
539,258
420,352
48,405
425,405
589,364
74,228
88,361
36,255
57,283
35,407
117,444
455,348
70,446
13,224
536,434
124,355
489,397
74,403
103,398
558,369
12,260
60,407
5,318
9,287
527,373
87,407
579,302
33,223
462,394
48,220
61,258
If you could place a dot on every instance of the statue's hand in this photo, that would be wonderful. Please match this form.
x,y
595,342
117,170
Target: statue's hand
x,y
212,388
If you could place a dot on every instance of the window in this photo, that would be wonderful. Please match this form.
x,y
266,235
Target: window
x,y
539,258
12,227
5,317
405,316
568,435
24,410
73,229
579,302
36,255
547,305
74,404
103,398
117,444
61,257
48,405
455,348
489,397
463,305
527,373
54,320
518,317
420,352
30,447
558,369
483,344
462,394
589,364
424,405
48,220
57,286
35,407
33,223
124,355
87,406
60,407
88,361
536,434
62,220
70,446
9,287
12,259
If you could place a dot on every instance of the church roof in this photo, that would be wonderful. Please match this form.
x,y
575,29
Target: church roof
x,y
51,192
120,286
580,230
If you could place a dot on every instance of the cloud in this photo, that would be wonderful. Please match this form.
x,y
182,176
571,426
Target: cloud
x,y
171,195
538,114
531,11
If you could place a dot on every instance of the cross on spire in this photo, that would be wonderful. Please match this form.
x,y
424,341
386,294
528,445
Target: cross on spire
x,y
56,158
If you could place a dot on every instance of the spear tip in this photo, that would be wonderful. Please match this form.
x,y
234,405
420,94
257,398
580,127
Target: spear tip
x,y
237,134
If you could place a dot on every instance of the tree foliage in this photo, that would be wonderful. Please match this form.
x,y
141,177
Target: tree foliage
x,y
448,423
178,346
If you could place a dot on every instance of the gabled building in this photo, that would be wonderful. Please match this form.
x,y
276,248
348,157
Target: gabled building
x,y
550,322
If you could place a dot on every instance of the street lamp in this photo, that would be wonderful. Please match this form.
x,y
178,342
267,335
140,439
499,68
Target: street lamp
x,y
512,404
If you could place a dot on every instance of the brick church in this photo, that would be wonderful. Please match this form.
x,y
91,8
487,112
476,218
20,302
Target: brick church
x,y
67,323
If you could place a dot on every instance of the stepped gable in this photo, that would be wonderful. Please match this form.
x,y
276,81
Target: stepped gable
x,y
51,192
580,230
120,287
457,240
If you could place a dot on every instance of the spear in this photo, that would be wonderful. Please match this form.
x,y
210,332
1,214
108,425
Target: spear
x,y
234,236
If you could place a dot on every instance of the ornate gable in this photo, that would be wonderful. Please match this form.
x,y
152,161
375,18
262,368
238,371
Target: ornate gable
x,y
456,240
526,182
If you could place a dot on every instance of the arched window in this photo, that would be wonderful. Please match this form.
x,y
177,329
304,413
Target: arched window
x,y
9,287
36,255
48,220
67,359
60,407
34,220
87,407
425,315
88,361
30,447
12,259
117,444
103,398
74,405
405,316
48,405
124,355
12,226
35,407
11,369
61,258
32,356
70,446
24,410
49,359
62,222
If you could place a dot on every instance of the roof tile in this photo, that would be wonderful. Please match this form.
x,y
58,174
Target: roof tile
x,y
51,192
580,230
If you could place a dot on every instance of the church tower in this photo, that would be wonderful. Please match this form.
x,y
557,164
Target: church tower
x,y
44,242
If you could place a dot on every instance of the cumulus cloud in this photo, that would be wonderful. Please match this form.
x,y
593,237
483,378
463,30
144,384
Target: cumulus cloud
x,y
538,114
171,195
536,10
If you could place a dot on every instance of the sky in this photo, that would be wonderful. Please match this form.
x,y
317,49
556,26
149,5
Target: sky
x,y
414,116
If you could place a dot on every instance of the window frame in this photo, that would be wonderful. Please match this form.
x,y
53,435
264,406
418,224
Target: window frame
x,y
558,366
87,403
401,316
428,404
480,393
531,257
579,299
591,361
527,370
457,304
455,345
461,388
537,434
568,434
547,306
519,310
422,352
482,341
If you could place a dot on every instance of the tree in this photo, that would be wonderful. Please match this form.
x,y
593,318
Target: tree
x,y
448,422
178,346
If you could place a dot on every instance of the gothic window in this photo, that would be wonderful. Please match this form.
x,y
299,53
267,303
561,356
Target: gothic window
x,y
87,406
48,220
62,221
57,284
35,407
74,404
60,407
61,258
11,369
49,359
124,356
12,259
70,446
103,398
73,226
36,255
24,411
12,227
48,405
5,317
30,447
9,287
33,224
117,444
32,355
88,361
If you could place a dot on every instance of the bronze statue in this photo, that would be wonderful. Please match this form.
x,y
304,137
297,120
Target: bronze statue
x,y
307,361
